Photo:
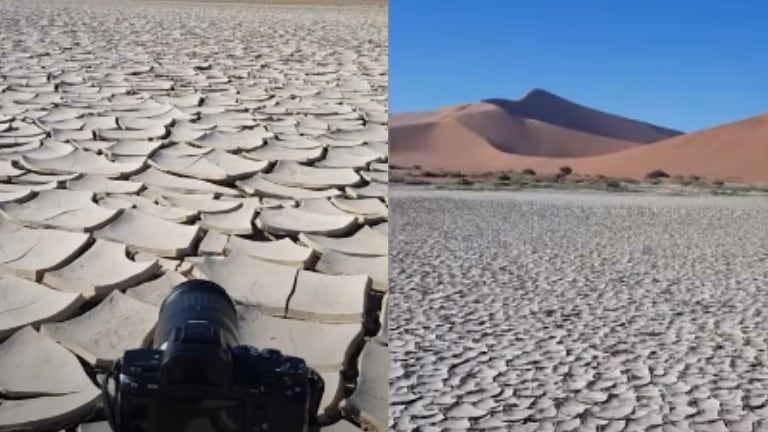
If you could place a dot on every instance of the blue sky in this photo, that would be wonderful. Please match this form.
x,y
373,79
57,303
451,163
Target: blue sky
x,y
684,64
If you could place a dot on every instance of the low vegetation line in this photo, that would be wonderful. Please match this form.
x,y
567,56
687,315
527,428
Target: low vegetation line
x,y
655,181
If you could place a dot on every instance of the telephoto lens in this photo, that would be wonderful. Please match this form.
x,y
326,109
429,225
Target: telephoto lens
x,y
197,329
197,301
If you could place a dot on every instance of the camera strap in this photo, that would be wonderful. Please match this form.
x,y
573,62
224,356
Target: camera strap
x,y
109,400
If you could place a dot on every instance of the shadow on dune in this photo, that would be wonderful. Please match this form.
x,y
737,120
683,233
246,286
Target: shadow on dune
x,y
549,108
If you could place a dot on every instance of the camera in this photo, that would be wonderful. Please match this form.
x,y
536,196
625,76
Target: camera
x,y
196,378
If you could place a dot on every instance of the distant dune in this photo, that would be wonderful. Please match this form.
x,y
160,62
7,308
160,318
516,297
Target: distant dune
x,y
550,108
539,124
736,151
544,132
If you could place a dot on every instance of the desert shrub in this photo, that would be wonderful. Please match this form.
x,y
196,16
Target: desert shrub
x,y
529,171
430,174
417,167
613,184
415,181
395,178
690,180
544,178
718,183
565,170
465,181
505,177
657,174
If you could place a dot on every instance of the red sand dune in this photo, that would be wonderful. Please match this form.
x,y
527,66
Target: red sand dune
x,y
526,136
539,124
735,151
484,137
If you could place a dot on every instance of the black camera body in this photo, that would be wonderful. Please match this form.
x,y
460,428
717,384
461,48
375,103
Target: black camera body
x,y
269,392
197,379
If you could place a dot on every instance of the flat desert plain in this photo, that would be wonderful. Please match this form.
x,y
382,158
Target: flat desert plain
x,y
146,143
549,311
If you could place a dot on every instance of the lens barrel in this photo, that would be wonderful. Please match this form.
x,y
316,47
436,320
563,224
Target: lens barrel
x,y
193,301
